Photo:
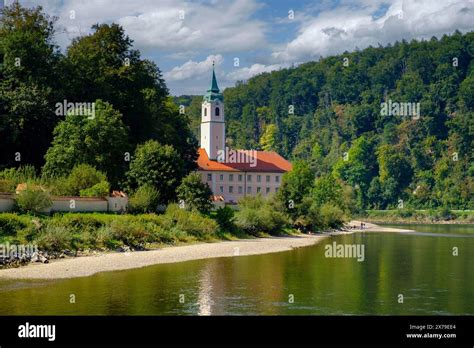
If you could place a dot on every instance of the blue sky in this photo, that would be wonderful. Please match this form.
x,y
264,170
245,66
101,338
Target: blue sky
x,y
185,37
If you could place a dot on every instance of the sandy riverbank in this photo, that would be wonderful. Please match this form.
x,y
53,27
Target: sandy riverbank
x,y
88,265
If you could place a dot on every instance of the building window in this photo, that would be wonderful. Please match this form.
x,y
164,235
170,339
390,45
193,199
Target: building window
x,y
209,177
240,189
249,178
218,112
268,178
231,177
221,177
221,189
267,190
205,111
259,189
277,178
231,189
240,177
249,189
276,189
259,178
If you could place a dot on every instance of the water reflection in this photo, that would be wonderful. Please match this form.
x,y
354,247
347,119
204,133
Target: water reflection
x,y
204,299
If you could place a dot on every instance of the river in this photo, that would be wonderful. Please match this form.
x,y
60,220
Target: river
x,y
402,273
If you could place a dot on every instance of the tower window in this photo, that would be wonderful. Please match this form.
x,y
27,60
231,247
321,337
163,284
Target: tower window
x,y
205,111
217,112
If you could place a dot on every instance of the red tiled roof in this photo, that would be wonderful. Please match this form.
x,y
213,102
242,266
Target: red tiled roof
x,y
218,198
266,161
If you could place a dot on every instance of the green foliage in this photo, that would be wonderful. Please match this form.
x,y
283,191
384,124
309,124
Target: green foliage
x,y
144,200
10,223
331,216
225,217
158,165
83,178
33,201
195,194
100,142
328,190
192,223
101,189
337,110
295,185
256,215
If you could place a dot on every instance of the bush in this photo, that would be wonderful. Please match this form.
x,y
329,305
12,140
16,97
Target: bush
x,y
226,219
144,200
19,175
82,177
257,215
331,216
54,238
195,194
101,189
7,185
33,201
192,223
405,212
131,232
10,224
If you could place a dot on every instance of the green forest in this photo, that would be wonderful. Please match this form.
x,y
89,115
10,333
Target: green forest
x,y
134,115
328,114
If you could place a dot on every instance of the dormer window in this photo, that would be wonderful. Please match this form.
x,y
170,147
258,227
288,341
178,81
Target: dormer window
x,y
217,112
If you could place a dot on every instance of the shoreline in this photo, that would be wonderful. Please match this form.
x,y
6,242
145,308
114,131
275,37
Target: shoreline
x,y
85,266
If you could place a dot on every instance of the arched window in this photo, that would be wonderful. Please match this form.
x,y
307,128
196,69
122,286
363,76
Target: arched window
x,y
205,111
217,112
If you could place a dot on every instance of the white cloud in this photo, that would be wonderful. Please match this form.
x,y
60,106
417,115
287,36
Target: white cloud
x,y
255,69
349,26
192,69
168,25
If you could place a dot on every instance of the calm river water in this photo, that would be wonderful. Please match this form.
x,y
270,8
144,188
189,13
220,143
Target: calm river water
x,y
420,266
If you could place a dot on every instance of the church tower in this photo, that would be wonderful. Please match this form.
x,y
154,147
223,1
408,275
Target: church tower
x,y
212,120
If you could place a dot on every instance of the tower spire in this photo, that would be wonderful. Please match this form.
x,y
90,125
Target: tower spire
x,y
214,87
213,93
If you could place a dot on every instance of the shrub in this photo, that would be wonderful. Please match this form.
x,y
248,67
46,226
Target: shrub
x,y
405,212
10,224
195,194
54,238
226,219
7,185
101,189
257,215
190,222
131,232
19,175
83,176
331,216
33,201
144,200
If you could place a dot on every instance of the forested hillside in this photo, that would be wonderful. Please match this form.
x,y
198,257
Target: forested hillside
x,y
328,113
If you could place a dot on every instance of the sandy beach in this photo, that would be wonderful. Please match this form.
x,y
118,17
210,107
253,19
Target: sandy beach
x,y
88,265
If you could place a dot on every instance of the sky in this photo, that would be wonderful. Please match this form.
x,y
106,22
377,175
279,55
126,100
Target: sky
x,y
247,37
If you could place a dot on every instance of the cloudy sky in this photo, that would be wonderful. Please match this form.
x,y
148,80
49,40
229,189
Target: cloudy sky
x,y
247,37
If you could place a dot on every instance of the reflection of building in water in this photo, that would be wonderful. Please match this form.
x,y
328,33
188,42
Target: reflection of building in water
x,y
204,300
